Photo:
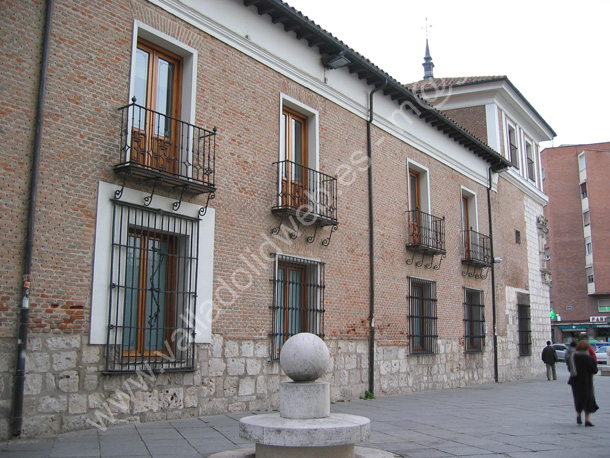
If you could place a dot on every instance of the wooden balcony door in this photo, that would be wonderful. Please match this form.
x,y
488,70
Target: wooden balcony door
x,y
466,227
293,151
155,131
415,206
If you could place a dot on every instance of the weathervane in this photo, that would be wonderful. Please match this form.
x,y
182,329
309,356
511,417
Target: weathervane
x,y
427,27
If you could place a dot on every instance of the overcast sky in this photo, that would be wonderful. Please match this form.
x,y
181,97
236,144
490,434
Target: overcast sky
x,y
557,53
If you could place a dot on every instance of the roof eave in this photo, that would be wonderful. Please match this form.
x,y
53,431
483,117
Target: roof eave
x,y
293,21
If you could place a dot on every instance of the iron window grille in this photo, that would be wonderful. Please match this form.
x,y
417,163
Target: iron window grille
x,y
524,324
474,320
153,289
298,300
423,335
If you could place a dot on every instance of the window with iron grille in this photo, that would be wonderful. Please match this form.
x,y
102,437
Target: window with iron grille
x,y
298,299
524,324
422,316
474,320
151,320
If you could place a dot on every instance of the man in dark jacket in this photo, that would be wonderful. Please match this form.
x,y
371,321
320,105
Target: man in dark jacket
x,y
550,358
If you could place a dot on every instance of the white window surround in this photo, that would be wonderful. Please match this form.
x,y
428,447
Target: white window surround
x,y
313,137
473,211
424,183
189,66
582,163
102,259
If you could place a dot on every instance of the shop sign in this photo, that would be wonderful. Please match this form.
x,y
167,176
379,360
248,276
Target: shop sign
x,y
598,319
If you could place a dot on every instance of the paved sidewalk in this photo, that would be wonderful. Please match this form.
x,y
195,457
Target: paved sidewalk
x,y
531,418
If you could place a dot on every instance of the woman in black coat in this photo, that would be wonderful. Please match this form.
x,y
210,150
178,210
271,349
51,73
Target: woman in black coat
x,y
583,367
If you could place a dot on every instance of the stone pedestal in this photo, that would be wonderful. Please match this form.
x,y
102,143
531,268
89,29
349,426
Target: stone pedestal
x,y
305,428
304,400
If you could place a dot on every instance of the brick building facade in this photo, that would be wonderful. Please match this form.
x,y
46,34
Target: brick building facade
x,y
576,184
203,193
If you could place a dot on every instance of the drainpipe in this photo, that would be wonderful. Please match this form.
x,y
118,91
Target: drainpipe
x,y
369,150
493,277
17,416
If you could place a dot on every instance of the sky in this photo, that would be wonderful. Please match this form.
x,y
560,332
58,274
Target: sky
x,y
557,53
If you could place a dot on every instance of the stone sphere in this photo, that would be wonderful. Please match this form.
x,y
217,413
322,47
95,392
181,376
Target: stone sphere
x,y
305,357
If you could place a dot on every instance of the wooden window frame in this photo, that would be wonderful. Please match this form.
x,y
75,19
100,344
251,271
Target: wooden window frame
x,y
422,316
474,320
310,301
160,152
524,324
144,292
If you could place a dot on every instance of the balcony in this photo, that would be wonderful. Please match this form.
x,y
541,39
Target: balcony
x,y
477,249
426,233
158,147
305,193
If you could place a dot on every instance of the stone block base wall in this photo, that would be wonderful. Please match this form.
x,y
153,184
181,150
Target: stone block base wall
x,y
66,391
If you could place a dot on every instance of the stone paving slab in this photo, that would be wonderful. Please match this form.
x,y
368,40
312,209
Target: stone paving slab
x,y
532,418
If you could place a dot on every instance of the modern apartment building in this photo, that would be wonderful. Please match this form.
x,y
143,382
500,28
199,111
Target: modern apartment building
x,y
578,248
186,184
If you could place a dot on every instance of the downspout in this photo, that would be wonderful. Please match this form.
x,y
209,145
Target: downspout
x,y
369,151
17,418
493,278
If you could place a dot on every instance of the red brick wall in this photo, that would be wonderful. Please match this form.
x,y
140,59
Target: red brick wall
x,y
566,239
472,118
89,65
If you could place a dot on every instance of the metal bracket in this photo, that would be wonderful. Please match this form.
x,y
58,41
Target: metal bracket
x,y
312,238
421,261
204,210
176,205
480,272
325,242
119,192
293,235
148,199
410,261
276,230
438,266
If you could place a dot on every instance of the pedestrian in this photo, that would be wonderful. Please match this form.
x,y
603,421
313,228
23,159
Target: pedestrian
x,y
550,358
591,349
583,367
569,352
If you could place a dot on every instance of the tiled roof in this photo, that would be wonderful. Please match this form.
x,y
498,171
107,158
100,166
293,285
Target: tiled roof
x,y
294,21
441,83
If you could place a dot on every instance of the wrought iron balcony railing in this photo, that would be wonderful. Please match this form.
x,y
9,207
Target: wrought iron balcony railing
x,y
477,248
426,232
306,193
154,145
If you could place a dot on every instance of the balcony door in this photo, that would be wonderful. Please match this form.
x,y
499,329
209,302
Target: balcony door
x,y
155,136
293,154
415,206
466,227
